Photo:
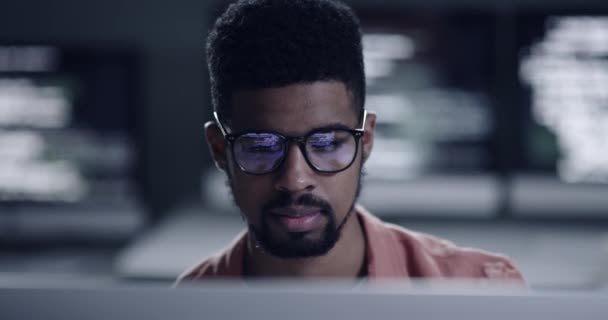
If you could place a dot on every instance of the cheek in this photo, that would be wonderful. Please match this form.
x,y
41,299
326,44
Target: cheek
x,y
250,193
341,190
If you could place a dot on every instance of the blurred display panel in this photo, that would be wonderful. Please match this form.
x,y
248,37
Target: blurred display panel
x,y
67,136
564,72
429,79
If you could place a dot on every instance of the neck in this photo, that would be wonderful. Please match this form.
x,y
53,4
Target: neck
x,y
345,260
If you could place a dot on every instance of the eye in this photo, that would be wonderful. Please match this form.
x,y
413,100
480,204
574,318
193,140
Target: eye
x,y
262,149
326,142
259,143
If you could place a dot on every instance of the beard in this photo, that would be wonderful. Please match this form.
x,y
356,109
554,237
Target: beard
x,y
294,245
297,244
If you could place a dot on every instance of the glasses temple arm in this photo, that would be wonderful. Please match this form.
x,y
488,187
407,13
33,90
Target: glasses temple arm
x,y
219,123
364,119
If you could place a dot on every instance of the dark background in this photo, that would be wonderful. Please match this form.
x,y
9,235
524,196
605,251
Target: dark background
x,y
168,39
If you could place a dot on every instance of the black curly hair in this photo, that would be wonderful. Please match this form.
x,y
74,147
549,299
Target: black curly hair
x,y
259,44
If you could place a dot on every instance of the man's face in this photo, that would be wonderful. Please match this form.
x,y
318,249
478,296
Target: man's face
x,y
296,211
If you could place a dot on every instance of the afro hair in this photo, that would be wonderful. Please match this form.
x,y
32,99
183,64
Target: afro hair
x,y
259,44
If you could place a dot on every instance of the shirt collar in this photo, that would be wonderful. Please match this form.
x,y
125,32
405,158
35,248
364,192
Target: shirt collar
x,y
385,259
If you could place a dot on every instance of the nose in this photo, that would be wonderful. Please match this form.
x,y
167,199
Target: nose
x,y
295,175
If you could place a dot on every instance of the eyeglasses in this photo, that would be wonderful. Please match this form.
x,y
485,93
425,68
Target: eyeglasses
x,y
327,150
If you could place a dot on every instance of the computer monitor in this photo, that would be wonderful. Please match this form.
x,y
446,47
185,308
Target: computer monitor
x,y
282,301
562,170
68,140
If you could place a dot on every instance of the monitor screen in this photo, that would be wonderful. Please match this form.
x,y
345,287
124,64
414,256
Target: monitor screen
x,y
563,72
564,68
429,78
67,128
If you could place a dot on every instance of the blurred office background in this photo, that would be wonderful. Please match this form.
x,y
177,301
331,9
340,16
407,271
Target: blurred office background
x,y
492,132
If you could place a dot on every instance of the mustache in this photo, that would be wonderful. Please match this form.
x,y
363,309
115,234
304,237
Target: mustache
x,y
305,200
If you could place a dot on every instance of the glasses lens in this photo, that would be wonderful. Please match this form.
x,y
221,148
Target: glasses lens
x,y
258,152
332,150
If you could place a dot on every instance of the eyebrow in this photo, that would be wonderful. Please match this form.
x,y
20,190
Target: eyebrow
x,y
333,125
328,126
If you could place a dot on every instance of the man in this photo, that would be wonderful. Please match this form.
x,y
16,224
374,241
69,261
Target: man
x,y
292,135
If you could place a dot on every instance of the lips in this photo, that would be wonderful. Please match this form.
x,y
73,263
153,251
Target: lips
x,y
294,212
297,219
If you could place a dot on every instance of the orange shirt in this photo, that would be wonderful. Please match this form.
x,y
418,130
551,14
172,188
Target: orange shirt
x,y
391,252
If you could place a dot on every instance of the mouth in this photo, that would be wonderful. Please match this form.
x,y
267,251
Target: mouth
x,y
297,219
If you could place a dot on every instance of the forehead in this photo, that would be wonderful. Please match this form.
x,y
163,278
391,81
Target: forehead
x,y
294,109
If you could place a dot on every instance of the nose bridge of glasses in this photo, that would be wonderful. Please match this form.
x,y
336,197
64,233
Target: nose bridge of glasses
x,y
295,173
292,146
298,141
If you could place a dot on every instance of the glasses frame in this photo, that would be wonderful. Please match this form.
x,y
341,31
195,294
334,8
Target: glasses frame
x,y
299,140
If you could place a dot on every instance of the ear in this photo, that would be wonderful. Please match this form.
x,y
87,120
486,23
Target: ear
x,y
216,144
368,136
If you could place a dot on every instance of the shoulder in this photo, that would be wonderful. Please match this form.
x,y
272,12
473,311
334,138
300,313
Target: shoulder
x,y
207,268
424,255
431,254
227,263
